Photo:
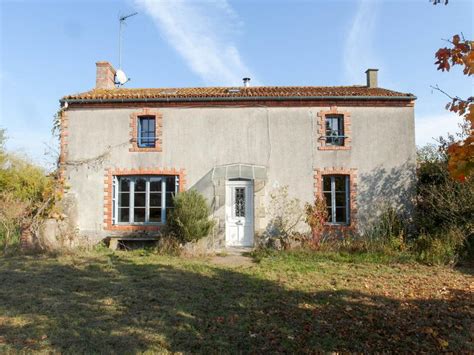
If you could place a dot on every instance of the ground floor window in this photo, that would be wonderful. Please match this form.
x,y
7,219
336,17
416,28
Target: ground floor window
x,y
337,196
145,199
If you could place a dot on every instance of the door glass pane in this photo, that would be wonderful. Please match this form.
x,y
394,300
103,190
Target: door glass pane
x,y
240,201
139,215
155,215
155,199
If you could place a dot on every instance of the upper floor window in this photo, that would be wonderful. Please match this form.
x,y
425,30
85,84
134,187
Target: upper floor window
x,y
335,130
143,199
337,196
146,132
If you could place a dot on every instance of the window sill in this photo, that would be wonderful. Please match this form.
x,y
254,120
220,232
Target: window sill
x,y
336,147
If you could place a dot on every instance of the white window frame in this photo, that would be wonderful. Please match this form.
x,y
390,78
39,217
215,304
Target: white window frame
x,y
333,198
115,198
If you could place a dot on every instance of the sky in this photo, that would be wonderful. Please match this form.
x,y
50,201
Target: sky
x,y
48,49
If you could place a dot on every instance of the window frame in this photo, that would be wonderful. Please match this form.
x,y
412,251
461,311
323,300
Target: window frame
x,y
131,207
333,191
135,134
340,131
345,117
149,118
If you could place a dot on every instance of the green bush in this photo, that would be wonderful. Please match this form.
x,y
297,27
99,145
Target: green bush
x,y
444,213
440,248
189,219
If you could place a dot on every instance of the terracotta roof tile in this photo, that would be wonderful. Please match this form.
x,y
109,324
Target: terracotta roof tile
x,y
241,92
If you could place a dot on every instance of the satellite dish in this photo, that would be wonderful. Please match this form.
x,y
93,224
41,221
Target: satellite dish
x,y
120,77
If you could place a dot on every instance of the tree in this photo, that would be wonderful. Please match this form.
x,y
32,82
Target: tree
x,y
461,153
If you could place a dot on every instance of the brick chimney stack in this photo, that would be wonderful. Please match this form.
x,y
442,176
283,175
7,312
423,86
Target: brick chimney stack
x,y
372,81
105,76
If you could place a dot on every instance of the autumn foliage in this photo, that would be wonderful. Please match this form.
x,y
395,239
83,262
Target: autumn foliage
x,y
461,154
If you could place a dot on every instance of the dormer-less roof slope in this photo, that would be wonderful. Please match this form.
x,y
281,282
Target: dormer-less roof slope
x,y
280,93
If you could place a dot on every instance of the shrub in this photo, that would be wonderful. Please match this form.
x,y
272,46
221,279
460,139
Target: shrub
x,y
189,219
444,247
316,217
286,216
444,213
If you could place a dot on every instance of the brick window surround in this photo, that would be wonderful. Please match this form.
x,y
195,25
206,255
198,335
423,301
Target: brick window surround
x,y
108,194
318,192
322,129
134,117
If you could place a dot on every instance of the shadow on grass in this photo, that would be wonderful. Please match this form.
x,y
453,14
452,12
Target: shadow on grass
x,y
115,305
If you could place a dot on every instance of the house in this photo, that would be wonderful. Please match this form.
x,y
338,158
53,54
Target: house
x,y
126,152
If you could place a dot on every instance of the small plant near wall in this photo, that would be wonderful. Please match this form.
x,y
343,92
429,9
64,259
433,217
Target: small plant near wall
x,y
286,217
189,219
316,217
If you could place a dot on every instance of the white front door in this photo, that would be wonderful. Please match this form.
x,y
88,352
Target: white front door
x,y
239,214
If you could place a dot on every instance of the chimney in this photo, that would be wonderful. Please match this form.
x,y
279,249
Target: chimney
x,y
372,78
105,76
246,82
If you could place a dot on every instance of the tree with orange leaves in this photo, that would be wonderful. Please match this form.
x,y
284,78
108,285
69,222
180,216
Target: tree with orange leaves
x,y
461,154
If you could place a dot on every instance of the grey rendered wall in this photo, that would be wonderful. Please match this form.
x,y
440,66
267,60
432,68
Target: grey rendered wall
x,y
282,139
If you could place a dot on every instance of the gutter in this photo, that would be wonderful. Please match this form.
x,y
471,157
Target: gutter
x,y
238,98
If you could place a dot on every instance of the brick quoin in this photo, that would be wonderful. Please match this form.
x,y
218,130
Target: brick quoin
x,y
108,194
318,192
321,126
134,130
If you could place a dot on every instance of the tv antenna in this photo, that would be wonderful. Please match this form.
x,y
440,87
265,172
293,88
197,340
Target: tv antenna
x,y
120,76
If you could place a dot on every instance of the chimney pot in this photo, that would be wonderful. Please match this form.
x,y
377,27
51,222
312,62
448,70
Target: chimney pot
x,y
246,82
105,76
372,81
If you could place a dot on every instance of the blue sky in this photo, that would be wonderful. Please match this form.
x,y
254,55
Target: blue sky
x,y
49,48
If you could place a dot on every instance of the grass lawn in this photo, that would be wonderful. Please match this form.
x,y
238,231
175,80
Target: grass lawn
x,y
132,302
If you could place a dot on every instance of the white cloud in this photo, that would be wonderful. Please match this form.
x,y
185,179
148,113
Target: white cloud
x,y
358,52
428,128
202,33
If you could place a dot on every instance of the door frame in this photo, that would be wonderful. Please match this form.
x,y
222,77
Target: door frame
x,y
250,210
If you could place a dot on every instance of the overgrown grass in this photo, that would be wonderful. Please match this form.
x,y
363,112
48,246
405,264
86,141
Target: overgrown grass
x,y
129,302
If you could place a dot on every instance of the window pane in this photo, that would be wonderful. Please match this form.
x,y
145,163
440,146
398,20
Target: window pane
x,y
329,215
147,132
139,215
327,183
140,199
155,199
124,199
169,199
171,183
340,183
155,184
124,215
340,215
140,184
155,215
327,196
124,184
340,199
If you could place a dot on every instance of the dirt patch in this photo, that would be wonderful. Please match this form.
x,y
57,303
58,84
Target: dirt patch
x,y
232,260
